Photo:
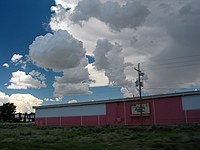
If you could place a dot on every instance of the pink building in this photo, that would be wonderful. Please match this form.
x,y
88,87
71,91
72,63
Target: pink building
x,y
175,108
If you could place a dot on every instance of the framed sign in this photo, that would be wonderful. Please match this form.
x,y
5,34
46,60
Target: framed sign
x,y
137,108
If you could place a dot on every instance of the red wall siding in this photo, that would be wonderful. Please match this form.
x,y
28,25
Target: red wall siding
x,y
193,116
162,111
54,121
103,121
70,121
115,114
169,111
90,120
40,121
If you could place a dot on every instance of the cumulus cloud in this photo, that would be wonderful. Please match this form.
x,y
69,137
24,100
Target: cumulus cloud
x,y
67,4
72,101
56,51
3,98
57,99
110,59
62,53
23,102
6,65
126,92
20,80
130,15
38,75
97,77
16,58
74,81
20,60
166,41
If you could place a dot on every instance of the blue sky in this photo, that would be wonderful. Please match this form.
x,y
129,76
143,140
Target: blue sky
x,y
87,52
21,22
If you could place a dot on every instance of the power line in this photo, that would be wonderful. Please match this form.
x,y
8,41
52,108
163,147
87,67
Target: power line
x,y
174,58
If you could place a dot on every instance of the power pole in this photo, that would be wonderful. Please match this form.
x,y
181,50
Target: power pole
x,y
139,84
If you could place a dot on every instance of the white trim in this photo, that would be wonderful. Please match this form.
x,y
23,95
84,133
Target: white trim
x,y
186,117
46,123
81,120
154,113
98,120
125,123
60,121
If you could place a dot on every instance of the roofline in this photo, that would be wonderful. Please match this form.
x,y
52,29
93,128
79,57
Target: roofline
x,y
120,100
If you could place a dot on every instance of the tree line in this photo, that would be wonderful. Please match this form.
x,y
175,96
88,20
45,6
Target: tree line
x,y
7,112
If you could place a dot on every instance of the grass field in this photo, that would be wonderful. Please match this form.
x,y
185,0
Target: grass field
x,y
30,137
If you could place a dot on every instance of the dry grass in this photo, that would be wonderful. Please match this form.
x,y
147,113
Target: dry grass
x,y
28,136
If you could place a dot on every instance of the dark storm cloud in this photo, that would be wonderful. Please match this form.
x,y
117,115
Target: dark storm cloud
x,y
130,15
177,66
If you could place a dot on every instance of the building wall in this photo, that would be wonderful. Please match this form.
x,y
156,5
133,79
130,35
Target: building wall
x,y
191,108
84,110
168,110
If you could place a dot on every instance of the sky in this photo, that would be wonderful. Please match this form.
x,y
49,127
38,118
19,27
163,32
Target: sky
x,y
68,51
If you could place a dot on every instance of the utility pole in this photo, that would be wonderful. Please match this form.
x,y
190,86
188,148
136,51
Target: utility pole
x,y
139,84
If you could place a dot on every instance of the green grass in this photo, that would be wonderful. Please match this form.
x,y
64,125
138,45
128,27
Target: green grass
x,y
30,137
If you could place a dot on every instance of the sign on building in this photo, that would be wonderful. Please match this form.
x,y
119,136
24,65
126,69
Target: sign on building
x,y
137,108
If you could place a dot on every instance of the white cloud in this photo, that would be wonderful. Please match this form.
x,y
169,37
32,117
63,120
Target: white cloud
x,y
20,80
3,98
16,57
57,99
126,92
93,30
23,102
62,53
72,101
74,81
20,60
97,77
169,30
110,59
6,65
66,89
37,75
66,4
25,62
56,51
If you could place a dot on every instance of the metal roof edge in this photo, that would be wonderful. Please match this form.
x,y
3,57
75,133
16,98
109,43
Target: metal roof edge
x,y
149,97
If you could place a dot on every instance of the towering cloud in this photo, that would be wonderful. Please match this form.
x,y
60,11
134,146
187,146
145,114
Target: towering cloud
x,y
3,98
61,52
74,81
130,15
23,102
56,51
166,41
110,59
